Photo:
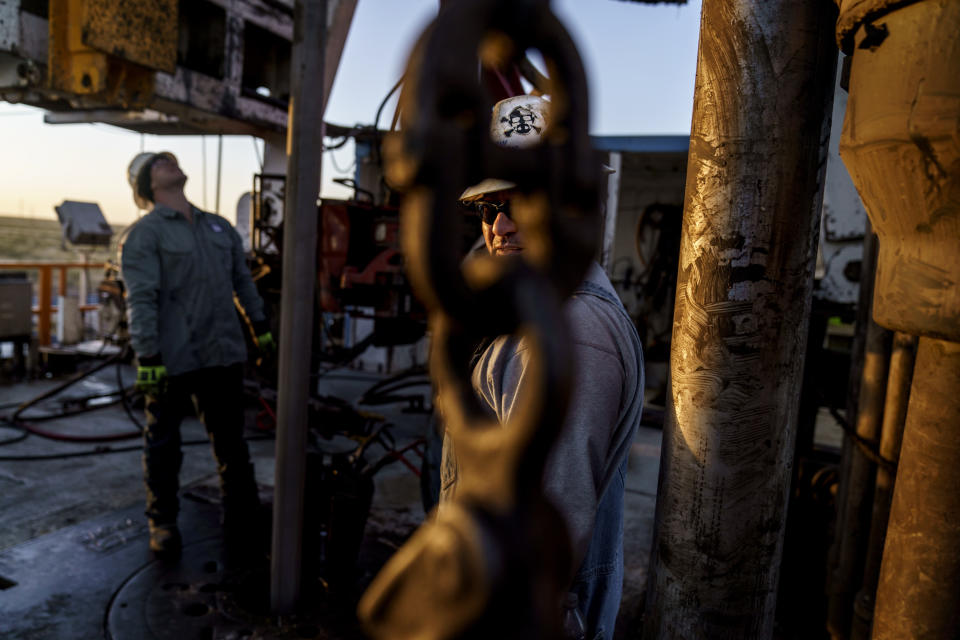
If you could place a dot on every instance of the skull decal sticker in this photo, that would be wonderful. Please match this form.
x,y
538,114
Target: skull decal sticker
x,y
521,122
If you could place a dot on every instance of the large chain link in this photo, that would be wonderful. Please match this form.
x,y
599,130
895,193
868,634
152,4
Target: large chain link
x,y
495,560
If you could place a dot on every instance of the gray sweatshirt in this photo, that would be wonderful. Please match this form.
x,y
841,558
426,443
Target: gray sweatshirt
x,y
604,410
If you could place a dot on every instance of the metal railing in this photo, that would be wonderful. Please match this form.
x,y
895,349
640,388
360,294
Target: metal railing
x,y
44,290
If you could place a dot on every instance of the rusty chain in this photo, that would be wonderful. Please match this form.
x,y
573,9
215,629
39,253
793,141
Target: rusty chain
x,y
494,560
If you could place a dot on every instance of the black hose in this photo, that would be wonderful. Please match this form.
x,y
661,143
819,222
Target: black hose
x,y
104,450
125,399
386,99
21,422
75,379
12,425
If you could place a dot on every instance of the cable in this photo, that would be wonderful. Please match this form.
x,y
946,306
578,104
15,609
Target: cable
x,y
75,379
126,401
256,150
336,165
10,425
105,450
376,120
21,422
343,140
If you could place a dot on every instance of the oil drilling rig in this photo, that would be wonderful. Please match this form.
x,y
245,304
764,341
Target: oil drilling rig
x,y
745,254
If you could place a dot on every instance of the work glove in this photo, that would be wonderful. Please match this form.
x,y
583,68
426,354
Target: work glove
x,y
268,346
265,341
151,376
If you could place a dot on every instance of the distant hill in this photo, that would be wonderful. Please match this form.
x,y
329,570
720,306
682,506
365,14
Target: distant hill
x,y
38,239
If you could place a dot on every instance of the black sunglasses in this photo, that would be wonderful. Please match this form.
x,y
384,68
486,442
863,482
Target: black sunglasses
x,y
488,211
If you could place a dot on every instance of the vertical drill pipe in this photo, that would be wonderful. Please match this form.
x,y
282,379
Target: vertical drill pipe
x,y
855,379
305,144
920,575
902,359
758,147
853,526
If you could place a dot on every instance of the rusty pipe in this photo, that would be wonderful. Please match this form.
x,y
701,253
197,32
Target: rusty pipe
x,y
919,584
758,145
853,524
902,359
855,378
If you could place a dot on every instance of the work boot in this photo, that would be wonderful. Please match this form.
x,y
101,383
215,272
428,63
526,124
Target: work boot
x,y
165,540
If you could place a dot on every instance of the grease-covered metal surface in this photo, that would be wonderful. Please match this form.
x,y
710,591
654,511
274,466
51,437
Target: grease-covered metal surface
x,y
763,94
920,574
140,31
901,146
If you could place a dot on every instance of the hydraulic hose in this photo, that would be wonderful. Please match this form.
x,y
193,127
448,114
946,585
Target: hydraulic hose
x,y
105,450
24,423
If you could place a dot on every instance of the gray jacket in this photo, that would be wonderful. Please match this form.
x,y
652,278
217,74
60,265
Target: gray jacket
x,y
181,279
604,410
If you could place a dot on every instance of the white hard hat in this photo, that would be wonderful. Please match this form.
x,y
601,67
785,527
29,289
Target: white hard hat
x,y
518,122
140,162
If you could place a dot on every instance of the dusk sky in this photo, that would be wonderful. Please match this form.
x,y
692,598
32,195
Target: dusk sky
x,y
640,60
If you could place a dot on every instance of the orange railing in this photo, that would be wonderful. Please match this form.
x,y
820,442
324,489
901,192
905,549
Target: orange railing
x,y
45,307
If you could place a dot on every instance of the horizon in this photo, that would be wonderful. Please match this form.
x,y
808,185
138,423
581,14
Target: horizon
x,y
640,60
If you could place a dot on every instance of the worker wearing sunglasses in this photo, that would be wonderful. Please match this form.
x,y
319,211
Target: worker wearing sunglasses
x,y
584,477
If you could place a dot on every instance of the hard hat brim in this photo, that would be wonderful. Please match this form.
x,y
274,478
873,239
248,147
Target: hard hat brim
x,y
490,185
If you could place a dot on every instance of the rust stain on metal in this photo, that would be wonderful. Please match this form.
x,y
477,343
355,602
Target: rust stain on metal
x,y
139,31
899,143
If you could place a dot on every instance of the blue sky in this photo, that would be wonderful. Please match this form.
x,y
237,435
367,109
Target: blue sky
x,y
640,60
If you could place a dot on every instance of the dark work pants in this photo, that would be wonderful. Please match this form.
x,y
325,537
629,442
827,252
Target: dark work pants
x,y
218,394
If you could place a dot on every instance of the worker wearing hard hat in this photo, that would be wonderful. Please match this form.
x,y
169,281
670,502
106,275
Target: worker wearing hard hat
x,y
182,267
584,475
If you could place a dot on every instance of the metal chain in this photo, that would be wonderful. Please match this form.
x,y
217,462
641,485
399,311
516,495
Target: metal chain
x,y
495,559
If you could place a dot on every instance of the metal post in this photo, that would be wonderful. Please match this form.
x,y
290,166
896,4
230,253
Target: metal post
x,y
610,212
45,290
219,169
853,524
902,359
855,378
61,303
305,144
920,577
758,147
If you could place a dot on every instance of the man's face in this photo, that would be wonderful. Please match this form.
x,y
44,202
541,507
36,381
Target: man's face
x,y
500,232
165,173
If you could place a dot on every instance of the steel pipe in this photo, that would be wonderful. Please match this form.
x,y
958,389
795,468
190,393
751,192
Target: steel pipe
x,y
902,358
853,523
305,146
920,575
764,89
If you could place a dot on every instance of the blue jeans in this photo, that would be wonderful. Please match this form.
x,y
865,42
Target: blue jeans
x,y
599,581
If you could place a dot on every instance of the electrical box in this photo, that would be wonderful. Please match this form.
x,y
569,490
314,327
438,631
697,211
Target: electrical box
x,y
16,294
83,223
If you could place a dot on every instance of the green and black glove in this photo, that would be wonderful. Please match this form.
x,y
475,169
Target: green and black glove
x,y
151,375
265,341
